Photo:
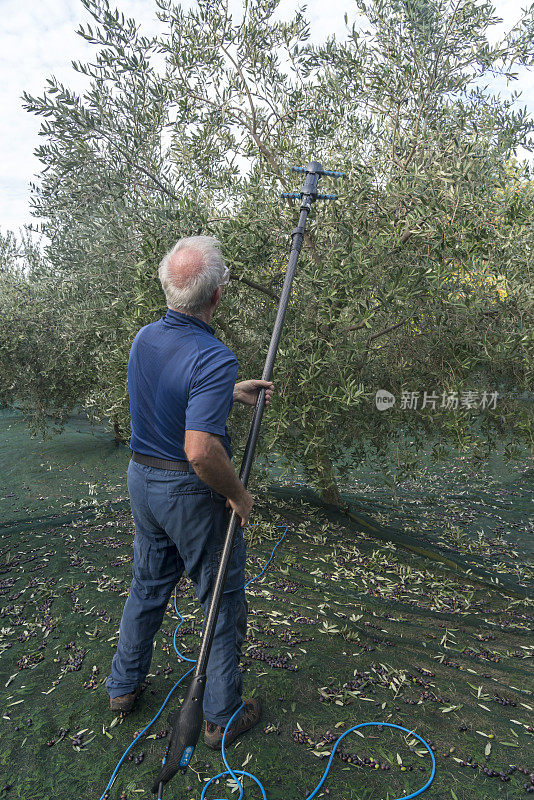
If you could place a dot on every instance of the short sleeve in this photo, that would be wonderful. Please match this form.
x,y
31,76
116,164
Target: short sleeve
x,y
211,394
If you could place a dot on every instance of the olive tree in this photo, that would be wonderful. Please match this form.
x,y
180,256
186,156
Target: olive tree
x,y
376,302
397,286
39,356
109,206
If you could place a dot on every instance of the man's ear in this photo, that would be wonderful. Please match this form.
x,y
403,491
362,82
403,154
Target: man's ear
x,y
216,296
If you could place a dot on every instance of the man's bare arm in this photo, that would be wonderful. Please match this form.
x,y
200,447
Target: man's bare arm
x,y
210,461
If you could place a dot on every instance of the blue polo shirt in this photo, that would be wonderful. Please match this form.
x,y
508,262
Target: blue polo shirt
x,y
180,377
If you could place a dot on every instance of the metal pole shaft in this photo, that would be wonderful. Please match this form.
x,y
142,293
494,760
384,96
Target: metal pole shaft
x,y
309,194
187,722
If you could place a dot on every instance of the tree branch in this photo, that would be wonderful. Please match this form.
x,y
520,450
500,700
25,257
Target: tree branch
x,y
407,233
245,84
254,285
132,163
388,329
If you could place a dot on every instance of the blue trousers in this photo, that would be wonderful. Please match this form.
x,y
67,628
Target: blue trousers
x,y
180,524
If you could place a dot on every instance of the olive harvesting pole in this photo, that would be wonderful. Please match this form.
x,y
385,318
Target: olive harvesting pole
x,y
186,723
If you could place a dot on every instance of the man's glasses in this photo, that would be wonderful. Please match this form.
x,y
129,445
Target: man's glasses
x,y
225,277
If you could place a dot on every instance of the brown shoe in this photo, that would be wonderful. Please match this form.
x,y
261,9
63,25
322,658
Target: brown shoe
x,y
213,734
126,701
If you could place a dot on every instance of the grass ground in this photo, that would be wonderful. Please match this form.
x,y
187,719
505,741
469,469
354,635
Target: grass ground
x,y
342,629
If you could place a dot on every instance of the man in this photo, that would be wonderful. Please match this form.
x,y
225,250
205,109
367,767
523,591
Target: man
x,y
182,485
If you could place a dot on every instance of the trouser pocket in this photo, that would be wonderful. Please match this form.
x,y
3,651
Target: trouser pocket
x,y
235,578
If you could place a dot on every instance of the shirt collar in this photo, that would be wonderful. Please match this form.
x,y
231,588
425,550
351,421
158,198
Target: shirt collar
x,y
177,319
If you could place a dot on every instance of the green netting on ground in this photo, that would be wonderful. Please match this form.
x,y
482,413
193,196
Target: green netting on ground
x,y
343,628
478,520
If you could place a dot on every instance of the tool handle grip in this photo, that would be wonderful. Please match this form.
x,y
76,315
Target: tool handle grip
x,y
186,726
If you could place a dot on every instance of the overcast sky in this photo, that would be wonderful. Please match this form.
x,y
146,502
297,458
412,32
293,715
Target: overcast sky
x,y
38,40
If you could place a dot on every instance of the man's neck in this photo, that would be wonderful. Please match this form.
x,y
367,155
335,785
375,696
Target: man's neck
x,y
205,316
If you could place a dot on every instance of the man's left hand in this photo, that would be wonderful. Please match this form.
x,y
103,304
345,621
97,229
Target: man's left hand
x,y
247,391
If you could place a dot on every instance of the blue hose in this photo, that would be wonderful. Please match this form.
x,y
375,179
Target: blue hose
x,y
229,770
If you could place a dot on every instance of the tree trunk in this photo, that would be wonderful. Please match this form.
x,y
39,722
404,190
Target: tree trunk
x,y
324,479
118,437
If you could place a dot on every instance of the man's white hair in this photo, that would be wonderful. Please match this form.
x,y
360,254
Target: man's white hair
x,y
193,296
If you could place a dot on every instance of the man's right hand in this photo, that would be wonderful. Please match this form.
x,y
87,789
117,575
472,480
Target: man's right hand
x,y
242,507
